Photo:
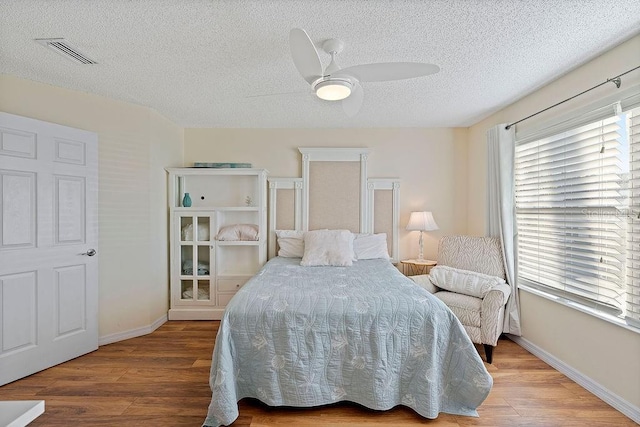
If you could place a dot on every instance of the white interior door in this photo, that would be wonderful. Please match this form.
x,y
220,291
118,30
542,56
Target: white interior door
x,y
48,231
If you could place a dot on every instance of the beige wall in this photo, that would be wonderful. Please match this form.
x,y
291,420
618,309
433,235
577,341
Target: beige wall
x,y
430,162
165,150
600,350
134,145
606,353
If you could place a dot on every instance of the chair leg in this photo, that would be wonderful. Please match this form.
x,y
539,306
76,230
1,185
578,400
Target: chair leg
x,y
488,351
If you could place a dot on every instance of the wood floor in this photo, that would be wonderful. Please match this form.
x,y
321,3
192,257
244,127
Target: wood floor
x,y
162,380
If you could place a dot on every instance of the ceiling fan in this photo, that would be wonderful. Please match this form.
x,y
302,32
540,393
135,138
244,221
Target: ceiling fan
x,y
335,83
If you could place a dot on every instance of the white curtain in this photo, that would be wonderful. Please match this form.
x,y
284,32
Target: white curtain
x,y
502,213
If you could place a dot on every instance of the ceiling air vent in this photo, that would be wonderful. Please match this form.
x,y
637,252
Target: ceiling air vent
x,y
63,47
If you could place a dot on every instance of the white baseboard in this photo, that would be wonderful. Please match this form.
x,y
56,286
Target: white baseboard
x,y
597,389
132,333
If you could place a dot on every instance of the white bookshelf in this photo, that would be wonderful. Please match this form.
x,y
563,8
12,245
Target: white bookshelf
x,y
206,273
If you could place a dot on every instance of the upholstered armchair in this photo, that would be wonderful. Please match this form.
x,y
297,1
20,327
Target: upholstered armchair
x,y
472,285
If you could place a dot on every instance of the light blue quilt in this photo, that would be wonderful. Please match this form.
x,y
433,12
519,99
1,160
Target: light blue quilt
x,y
308,336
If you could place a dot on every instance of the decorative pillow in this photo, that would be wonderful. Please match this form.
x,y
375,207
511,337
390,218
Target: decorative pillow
x,y
370,246
463,281
290,243
328,247
203,232
238,232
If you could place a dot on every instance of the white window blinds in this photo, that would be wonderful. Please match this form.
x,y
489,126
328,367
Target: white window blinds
x,y
571,200
633,231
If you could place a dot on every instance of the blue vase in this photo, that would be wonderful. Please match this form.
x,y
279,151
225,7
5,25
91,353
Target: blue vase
x,y
186,200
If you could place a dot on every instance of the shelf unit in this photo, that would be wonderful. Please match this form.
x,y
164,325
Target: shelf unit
x,y
206,273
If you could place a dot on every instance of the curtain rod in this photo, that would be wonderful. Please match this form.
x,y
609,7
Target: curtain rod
x,y
615,80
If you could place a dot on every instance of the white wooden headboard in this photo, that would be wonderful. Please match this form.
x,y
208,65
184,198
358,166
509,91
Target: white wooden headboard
x,y
335,192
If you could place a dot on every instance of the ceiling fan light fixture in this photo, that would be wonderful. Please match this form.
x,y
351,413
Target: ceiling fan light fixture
x,y
333,90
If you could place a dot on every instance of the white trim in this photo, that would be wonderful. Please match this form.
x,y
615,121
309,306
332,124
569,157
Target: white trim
x,y
305,191
330,154
216,171
392,184
271,236
370,214
132,333
275,184
395,248
205,313
364,200
589,384
262,204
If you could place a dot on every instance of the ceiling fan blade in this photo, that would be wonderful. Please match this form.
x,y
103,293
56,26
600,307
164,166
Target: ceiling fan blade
x,y
351,104
305,56
385,71
263,95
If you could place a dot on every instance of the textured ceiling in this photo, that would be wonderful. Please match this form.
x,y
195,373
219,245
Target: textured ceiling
x,y
208,63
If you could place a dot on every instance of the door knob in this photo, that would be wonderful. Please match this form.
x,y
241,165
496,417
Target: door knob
x,y
90,252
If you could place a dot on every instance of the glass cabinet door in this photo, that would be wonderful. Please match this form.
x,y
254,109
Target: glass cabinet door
x,y
196,257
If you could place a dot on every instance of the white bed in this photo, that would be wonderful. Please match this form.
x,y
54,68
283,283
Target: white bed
x,y
308,336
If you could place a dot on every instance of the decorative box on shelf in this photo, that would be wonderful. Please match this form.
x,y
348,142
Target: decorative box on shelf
x,y
221,165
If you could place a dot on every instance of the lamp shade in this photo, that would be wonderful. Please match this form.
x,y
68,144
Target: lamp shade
x,y
422,221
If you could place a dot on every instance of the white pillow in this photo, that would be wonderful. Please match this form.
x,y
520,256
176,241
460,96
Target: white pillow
x,y
238,232
328,247
203,232
291,243
463,281
370,246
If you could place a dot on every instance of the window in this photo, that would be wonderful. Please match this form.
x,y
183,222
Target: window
x,y
578,213
633,230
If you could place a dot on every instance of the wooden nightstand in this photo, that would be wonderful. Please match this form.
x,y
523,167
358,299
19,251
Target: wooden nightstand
x,y
413,267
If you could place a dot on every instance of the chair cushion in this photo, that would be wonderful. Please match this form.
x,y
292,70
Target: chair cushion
x,y
481,254
463,281
466,308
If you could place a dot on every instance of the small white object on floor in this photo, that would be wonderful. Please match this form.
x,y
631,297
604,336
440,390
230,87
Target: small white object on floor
x,y
19,413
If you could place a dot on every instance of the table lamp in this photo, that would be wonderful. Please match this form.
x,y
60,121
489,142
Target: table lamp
x,y
421,221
